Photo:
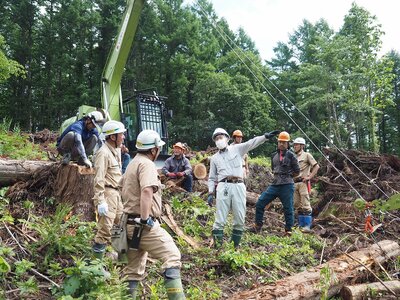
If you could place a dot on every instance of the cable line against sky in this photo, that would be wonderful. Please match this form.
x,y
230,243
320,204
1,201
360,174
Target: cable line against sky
x,y
234,46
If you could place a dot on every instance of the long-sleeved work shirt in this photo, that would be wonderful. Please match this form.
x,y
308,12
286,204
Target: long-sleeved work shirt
x,y
107,163
174,165
79,128
229,162
284,166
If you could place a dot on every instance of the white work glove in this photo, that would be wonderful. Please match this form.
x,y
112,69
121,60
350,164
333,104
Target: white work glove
x,y
102,208
87,163
149,222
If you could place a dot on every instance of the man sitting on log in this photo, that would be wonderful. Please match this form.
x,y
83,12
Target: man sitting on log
x,y
79,139
107,198
178,166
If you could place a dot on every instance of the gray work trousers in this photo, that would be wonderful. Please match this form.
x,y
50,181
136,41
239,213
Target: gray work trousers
x,y
68,145
230,196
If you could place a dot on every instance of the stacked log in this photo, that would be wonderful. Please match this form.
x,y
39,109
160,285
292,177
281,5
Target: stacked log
x,y
344,270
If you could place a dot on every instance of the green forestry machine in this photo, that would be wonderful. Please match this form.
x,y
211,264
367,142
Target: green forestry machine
x,y
143,110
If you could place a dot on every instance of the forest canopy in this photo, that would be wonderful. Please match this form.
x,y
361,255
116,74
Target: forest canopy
x,y
330,85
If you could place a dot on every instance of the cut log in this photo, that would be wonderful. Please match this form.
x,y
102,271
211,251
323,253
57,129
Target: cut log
x,y
366,290
344,269
251,198
74,185
169,220
12,171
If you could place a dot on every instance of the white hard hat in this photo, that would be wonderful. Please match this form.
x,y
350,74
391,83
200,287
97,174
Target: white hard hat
x,y
96,117
113,127
299,140
219,131
148,139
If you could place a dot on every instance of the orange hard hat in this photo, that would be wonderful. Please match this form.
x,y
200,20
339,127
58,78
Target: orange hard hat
x,y
237,133
283,137
179,145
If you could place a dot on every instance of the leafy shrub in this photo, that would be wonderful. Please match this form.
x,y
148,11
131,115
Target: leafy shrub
x,y
61,234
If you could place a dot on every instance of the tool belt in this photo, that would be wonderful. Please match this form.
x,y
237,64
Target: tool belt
x,y
132,217
232,179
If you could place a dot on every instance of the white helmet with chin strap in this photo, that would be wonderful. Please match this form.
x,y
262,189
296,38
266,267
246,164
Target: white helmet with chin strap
x,y
96,117
148,139
113,127
299,140
219,131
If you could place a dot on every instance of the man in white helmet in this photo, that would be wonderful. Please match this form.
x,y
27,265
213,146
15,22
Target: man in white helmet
x,y
226,170
308,169
107,198
79,139
141,191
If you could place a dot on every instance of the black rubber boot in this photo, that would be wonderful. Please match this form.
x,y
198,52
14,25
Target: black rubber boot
x,y
236,237
218,236
132,285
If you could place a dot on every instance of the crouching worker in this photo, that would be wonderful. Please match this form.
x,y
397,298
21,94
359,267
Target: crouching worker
x,y
107,198
141,191
178,166
78,140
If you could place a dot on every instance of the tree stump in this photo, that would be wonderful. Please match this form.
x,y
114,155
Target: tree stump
x,y
74,185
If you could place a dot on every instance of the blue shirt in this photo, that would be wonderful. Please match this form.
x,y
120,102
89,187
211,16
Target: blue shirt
x,y
79,128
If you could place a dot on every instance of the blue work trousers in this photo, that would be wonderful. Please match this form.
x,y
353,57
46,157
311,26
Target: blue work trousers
x,y
188,183
285,193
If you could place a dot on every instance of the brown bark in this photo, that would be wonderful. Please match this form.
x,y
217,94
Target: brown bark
x,y
305,285
12,171
74,185
170,221
362,291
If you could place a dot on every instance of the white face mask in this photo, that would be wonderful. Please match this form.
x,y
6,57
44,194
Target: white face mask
x,y
221,143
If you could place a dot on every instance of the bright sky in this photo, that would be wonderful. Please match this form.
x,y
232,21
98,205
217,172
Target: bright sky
x,y
269,21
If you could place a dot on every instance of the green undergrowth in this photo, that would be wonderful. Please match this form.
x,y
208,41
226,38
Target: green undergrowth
x,y
260,258
15,145
260,161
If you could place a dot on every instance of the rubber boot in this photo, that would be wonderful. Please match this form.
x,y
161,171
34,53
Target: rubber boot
x,y
301,220
98,252
218,236
236,237
132,285
307,221
173,284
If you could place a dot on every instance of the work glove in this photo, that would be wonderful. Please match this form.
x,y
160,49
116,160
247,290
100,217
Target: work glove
x,y
87,163
102,208
149,222
171,175
271,134
210,200
180,174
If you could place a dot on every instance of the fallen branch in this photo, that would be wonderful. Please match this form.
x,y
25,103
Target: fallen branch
x,y
169,220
